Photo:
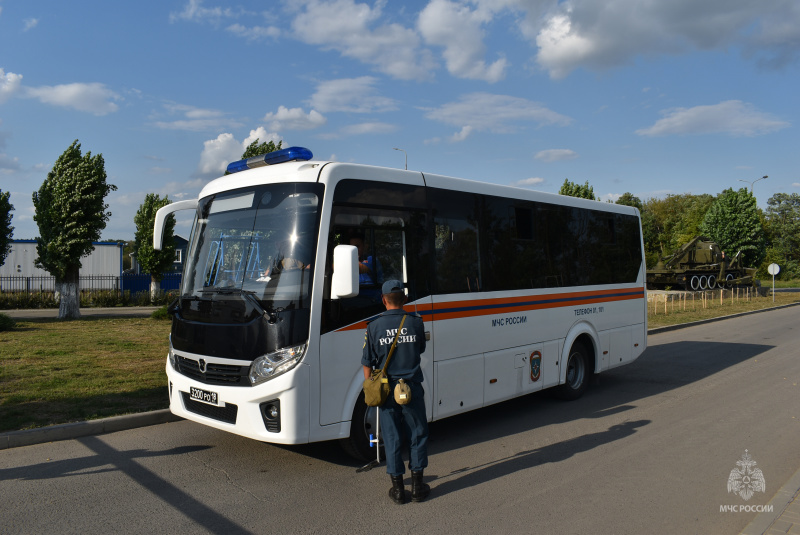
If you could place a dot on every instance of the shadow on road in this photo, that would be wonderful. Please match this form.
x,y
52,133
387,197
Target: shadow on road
x,y
476,475
108,459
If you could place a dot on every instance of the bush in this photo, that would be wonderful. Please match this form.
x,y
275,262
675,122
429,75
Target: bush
x,y
7,323
161,314
14,300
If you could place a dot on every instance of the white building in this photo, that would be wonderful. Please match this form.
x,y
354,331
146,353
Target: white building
x,y
105,260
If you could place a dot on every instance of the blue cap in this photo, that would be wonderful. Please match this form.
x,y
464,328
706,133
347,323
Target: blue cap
x,y
392,286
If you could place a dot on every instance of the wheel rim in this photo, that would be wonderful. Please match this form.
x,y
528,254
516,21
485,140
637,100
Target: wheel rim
x,y
576,370
695,282
712,281
703,282
728,279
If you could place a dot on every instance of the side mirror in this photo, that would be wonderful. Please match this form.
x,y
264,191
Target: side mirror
x,y
345,272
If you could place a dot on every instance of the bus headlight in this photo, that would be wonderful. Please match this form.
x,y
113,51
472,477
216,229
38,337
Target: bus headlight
x,y
271,365
172,358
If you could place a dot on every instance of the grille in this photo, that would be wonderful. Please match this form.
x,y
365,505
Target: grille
x,y
216,374
225,414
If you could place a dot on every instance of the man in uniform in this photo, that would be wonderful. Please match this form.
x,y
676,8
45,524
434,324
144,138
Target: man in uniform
x,y
400,424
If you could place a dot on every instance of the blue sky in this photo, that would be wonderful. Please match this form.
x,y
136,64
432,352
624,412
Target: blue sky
x,y
634,96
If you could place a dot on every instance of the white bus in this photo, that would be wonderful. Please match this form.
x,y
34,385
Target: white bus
x,y
519,291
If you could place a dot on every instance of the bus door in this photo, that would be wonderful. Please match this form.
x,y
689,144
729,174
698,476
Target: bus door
x,y
391,244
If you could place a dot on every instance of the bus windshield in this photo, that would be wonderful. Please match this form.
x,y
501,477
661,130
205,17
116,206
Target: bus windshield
x,y
257,241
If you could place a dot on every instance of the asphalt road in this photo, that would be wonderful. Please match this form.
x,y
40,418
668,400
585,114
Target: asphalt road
x,y
648,449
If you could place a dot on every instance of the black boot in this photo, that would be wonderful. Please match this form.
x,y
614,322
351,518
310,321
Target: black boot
x,y
398,490
419,490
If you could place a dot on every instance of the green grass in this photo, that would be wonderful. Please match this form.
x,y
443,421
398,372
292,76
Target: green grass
x,y
781,284
54,372
678,310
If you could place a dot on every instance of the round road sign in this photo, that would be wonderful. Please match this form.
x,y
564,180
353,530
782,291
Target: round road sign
x,y
773,269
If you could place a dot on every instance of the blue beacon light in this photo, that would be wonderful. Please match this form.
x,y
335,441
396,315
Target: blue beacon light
x,y
271,158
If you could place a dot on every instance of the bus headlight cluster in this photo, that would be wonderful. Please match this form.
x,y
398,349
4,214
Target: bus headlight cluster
x,y
271,365
173,360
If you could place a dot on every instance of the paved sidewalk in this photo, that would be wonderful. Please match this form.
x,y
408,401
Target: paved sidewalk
x,y
39,313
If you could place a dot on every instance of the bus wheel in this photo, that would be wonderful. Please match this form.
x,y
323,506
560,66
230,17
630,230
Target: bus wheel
x,y
362,426
577,374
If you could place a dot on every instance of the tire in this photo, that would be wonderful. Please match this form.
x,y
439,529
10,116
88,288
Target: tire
x,y
703,282
695,283
578,373
712,281
728,278
362,426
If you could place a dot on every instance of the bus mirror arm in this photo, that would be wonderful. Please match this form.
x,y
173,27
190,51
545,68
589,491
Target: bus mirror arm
x,y
345,272
161,219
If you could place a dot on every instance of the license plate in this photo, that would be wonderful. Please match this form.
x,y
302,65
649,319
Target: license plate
x,y
204,396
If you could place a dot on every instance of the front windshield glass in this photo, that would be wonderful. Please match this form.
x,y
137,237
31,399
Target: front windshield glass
x,y
259,241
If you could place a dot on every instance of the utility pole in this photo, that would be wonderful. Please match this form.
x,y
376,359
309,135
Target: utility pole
x,y
753,182
404,152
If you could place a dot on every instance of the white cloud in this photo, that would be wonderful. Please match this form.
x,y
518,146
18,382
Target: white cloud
x,y
529,182
368,128
732,117
796,184
354,95
346,27
195,12
218,153
601,35
556,155
29,24
462,134
459,30
262,136
224,149
94,98
484,112
9,85
256,33
195,119
294,119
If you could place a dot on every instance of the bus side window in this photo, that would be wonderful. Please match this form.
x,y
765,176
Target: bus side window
x,y
456,241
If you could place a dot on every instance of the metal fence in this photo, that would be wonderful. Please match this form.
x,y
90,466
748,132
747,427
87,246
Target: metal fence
x,y
89,283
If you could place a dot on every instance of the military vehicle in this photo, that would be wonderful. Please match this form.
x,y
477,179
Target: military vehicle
x,y
699,265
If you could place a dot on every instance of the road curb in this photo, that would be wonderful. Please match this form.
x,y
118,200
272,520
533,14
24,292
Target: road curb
x,y
29,437
784,501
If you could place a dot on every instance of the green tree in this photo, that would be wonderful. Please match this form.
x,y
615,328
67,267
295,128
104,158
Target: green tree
x,y
70,211
573,189
734,222
150,260
671,222
256,149
783,234
629,199
6,230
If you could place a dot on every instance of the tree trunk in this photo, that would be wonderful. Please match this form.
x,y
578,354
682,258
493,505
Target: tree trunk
x,y
69,307
155,286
